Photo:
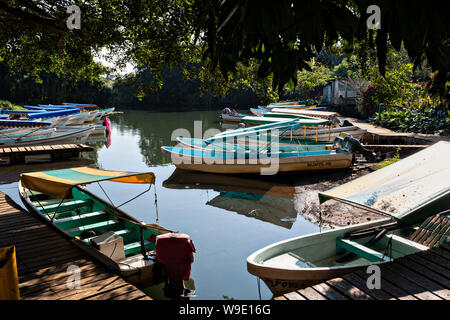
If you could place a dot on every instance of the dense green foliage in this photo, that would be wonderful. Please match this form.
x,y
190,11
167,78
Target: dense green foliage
x,y
422,120
6,105
177,93
284,35
243,39
34,36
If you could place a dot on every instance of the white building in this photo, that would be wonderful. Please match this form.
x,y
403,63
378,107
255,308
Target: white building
x,y
336,92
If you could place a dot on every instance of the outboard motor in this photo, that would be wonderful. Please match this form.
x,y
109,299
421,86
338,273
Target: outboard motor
x,y
352,145
175,252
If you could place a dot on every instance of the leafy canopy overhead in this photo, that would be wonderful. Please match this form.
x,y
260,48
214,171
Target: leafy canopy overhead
x,y
284,35
280,36
35,36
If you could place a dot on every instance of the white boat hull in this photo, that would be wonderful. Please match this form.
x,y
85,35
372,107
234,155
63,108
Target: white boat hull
x,y
301,163
230,118
80,118
304,261
78,136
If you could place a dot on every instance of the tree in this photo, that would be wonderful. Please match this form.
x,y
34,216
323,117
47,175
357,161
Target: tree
x,y
35,37
280,37
309,81
284,35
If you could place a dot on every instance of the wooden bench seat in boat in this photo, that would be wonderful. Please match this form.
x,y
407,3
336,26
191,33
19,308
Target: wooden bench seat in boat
x,y
98,226
80,220
361,250
65,206
432,232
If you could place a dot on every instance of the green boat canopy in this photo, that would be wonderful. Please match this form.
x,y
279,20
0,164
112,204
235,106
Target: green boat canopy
x,y
409,190
59,183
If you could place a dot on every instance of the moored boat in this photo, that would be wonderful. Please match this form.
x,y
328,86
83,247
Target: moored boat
x,y
80,105
82,117
116,239
252,120
228,115
69,136
104,112
4,123
260,162
329,115
251,144
26,132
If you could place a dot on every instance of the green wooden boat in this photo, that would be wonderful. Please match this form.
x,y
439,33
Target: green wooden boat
x,y
293,264
113,237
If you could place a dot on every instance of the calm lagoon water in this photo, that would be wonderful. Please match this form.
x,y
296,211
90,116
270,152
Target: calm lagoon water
x,y
228,217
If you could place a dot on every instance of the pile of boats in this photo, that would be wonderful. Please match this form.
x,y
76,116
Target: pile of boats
x,y
50,124
317,123
281,144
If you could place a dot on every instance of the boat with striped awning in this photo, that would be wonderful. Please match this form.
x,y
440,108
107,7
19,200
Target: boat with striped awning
x,y
103,230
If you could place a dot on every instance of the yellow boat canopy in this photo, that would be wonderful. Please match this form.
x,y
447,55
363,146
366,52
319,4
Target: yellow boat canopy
x,y
59,183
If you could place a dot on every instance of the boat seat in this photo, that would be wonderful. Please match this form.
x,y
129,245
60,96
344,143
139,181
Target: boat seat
x,y
77,220
104,225
361,250
135,247
65,206
433,231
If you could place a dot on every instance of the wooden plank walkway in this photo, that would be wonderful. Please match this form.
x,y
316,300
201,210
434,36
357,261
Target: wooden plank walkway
x,y
419,276
53,152
43,256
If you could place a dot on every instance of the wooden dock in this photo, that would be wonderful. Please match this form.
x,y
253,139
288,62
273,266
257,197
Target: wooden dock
x,y
53,152
420,276
43,259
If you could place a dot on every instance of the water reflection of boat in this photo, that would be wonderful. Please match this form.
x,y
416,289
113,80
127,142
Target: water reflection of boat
x,y
268,185
268,199
278,211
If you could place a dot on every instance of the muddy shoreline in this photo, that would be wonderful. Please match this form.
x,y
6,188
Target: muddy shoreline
x,y
330,214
